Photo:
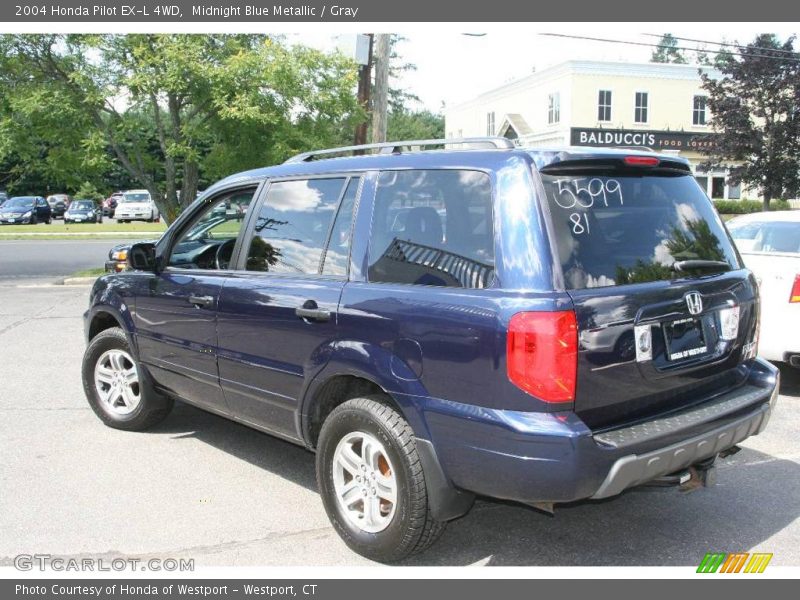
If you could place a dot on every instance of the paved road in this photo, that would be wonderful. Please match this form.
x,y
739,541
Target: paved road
x,y
51,258
201,487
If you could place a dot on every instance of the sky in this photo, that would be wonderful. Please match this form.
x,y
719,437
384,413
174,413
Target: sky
x,y
453,67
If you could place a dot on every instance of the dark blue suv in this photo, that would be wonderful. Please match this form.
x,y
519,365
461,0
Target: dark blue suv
x,y
541,326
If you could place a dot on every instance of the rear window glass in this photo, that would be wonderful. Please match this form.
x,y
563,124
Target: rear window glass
x,y
769,236
135,197
433,227
621,228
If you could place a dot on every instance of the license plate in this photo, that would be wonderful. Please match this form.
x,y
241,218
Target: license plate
x,y
78,219
685,339
11,220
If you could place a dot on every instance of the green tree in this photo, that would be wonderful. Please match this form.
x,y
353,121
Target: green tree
x,y
170,106
754,112
414,125
87,191
668,51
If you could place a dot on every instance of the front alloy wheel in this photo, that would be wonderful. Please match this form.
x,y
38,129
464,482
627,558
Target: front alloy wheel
x,y
116,380
118,389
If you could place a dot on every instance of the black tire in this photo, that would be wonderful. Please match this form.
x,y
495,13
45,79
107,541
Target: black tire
x,y
413,528
152,408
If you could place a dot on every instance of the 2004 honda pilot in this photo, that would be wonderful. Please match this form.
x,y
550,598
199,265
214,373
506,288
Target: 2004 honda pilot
x,y
437,321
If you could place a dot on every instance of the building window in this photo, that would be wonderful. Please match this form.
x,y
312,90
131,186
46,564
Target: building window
x,y
554,108
699,111
640,109
604,105
490,123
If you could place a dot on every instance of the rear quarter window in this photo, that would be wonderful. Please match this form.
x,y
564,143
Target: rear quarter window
x,y
618,228
433,227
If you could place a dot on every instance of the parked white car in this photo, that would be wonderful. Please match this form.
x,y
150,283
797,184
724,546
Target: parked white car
x,y
770,246
136,205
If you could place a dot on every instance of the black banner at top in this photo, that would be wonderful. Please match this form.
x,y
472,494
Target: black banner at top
x,y
175,11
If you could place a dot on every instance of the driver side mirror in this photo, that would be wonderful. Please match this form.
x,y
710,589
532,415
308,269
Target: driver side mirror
x,y
142,257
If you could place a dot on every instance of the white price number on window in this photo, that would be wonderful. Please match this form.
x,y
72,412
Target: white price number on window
x,y
572,194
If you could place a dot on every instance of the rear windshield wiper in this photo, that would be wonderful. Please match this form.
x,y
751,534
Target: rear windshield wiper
x,y
688,265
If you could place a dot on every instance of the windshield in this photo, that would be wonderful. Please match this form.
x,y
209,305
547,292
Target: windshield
x,y
20,202
81,205
135,197
621,228
766,236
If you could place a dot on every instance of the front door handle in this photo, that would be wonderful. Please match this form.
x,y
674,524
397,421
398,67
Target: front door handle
x,y
201,300
312,312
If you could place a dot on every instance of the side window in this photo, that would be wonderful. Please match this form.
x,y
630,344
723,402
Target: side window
x,y
209,242
433,227
338,251
292,227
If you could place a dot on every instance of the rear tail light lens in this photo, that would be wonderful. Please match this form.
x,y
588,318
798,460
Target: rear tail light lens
x,y
542,354
795,295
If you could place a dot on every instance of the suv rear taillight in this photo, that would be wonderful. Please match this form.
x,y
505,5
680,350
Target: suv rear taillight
x,y
795,295
542,354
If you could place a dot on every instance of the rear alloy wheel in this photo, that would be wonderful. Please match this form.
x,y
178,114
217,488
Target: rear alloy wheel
x,y
118,390
371,481
365,482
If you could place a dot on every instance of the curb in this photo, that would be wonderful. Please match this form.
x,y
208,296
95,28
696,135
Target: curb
x,y
77,281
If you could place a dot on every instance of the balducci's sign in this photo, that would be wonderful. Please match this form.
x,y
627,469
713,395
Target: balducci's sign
x,y
657,140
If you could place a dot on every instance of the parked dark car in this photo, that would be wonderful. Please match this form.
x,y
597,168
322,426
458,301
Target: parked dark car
x,y
83,211
58,204
110,204
540,326
22,210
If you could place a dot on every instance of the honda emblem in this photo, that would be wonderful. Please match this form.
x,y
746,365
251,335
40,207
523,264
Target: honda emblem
x,y
694,302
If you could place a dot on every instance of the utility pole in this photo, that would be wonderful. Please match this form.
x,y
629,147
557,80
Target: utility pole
x,y
364,83
380,103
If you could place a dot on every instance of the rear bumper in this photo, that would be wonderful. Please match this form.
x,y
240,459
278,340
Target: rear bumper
x,y
635,469
555,457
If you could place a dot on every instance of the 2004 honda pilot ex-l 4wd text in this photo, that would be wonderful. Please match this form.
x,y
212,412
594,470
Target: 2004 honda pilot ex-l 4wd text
x,y
533,325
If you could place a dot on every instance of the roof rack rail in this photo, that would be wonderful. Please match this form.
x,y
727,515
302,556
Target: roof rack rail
x,y
477,143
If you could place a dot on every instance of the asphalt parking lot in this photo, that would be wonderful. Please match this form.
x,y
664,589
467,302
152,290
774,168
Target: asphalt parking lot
x,y
201,487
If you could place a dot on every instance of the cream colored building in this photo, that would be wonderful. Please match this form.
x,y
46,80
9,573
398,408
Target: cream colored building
x,y
601,104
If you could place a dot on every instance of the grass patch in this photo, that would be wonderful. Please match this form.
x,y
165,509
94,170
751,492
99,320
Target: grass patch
x,y
81,236
85,228
94,272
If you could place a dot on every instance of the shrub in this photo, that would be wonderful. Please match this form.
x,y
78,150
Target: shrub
x,y
742,207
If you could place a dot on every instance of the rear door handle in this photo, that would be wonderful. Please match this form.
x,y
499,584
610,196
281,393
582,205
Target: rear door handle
x,y
201,300
311,311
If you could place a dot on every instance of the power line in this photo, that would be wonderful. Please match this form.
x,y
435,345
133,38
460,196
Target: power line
x,y
611,41
726,44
